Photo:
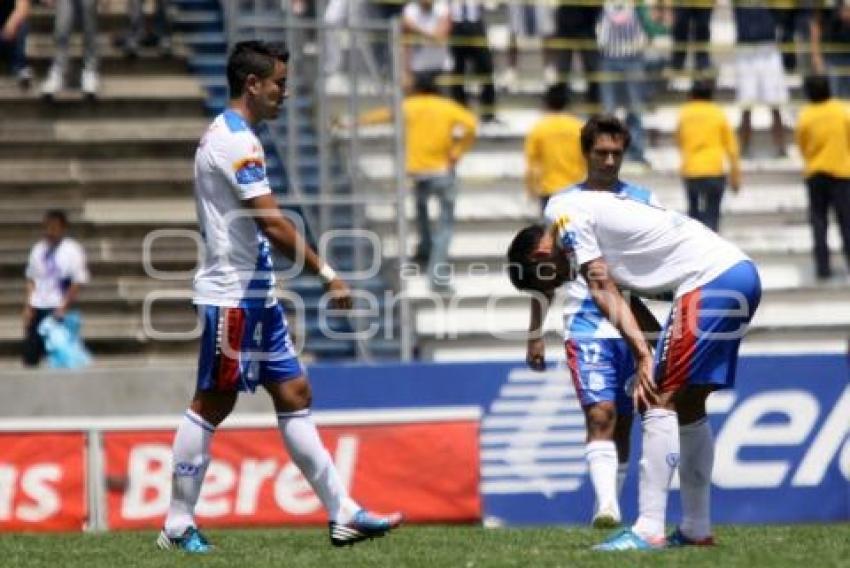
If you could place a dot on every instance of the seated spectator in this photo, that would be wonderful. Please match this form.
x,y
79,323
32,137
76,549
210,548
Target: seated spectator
x,y
428,24
553,156
55,272
63,24
151,33
823,134
708,145
622,39
470,51
13,39
759,75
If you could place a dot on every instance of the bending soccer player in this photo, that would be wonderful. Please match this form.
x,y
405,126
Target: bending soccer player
x,y
600,363
620,242
246,341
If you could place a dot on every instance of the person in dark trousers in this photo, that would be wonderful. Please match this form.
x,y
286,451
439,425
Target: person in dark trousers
x,y
13,39
823,134
709,148
575,32
691,24
471,52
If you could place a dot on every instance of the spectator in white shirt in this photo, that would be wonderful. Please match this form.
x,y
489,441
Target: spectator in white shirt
x,y
55,272
428,25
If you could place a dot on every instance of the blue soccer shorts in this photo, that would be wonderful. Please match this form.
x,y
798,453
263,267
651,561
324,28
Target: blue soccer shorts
x,y
700,341
243,347
602,370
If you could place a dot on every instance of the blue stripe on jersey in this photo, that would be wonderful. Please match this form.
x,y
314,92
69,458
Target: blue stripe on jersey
x,y
261,283
234,121
636,192
587,319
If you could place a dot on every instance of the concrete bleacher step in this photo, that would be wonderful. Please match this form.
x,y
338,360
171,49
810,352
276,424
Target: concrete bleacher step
x,y
778,310
111,59
127,96
92,177
100,139
795,340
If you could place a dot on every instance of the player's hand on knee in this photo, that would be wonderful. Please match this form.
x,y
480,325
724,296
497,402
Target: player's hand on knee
x,y
646,391
340,294
535,356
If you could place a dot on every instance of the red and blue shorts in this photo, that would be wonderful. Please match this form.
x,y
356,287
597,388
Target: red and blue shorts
x,y
244,346
700,341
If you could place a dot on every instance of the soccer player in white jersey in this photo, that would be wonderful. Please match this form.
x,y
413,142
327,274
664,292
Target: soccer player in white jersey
x,y
621,243
600,363
246,341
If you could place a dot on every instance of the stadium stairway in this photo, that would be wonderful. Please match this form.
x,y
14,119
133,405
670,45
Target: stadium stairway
x,y
487,319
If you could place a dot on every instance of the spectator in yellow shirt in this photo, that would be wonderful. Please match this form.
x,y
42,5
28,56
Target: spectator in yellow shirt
x,y
553,156
823,134
438,132
707,144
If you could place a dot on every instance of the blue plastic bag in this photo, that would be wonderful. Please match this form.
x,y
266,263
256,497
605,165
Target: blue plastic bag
x,y
65,349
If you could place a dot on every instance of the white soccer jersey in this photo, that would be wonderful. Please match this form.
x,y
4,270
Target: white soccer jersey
x,y
53,270
230,167
648,249
582,318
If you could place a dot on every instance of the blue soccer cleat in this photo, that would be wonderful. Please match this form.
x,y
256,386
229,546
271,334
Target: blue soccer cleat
x,y
363,525
191,541
627,539
677,539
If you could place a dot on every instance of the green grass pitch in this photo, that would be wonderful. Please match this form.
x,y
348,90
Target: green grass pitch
x,y
815,546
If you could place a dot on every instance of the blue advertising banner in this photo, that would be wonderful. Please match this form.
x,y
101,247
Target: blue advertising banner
x,y
782,436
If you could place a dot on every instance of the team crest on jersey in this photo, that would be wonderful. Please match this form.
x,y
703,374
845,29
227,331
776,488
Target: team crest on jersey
x,y
562,222
250,170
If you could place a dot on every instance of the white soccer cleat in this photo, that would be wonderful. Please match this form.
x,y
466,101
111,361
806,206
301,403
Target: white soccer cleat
x,y
364,525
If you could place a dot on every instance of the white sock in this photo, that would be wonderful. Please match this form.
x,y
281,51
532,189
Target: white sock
x,y
601,457
309,454
191,458
657,465
622,472
695,477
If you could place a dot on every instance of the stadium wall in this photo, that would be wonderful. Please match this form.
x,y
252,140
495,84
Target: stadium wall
x,y
478,441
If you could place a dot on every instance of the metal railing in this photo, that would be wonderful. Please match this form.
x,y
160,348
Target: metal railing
x,y
341,181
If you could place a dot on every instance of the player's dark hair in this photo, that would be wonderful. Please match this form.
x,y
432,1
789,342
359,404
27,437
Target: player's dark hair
x,y
556,97
56,215
703,90
253,58
817,88
522,268
599,124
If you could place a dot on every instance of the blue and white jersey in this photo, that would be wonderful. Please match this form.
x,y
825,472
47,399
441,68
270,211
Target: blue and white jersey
x,y
230,168
582,318
648,249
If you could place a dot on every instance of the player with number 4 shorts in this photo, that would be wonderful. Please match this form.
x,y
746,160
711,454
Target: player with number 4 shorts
x,y
246,341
